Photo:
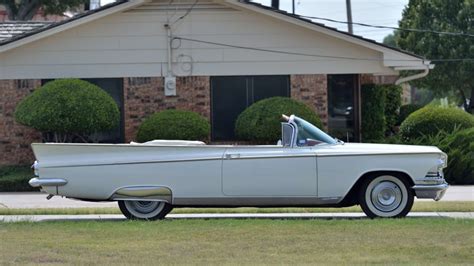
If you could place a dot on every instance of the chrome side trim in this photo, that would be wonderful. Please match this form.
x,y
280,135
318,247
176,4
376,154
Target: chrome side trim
x,y
371,154
152,193
46,182
137,162
256,201
435,192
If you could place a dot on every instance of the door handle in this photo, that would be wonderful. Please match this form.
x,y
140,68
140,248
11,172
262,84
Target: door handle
x,y
232,156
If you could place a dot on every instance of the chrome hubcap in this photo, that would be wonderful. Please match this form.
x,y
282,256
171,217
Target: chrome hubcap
x,y
386,196
144,207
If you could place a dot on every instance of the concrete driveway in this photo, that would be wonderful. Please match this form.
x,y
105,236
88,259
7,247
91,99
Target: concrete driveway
x,y
38,200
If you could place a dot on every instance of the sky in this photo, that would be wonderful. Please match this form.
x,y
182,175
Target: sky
x,y
376,12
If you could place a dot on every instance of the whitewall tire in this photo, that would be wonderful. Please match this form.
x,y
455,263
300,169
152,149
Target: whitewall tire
x,y
144,210
387,196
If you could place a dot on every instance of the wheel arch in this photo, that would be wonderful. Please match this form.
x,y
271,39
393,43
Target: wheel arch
x,y
350,198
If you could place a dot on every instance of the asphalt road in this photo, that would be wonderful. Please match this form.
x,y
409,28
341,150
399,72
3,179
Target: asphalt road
x,y
38,200
323,216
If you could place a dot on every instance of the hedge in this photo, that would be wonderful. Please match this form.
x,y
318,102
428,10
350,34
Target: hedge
x,y
174,124
262,120
15,179
373,113
393,100
430,120
68,106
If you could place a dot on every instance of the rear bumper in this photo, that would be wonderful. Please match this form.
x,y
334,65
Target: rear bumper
x,y
435,192
45,182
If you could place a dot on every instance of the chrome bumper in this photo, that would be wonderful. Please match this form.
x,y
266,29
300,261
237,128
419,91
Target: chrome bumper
x,y
45,182
435,192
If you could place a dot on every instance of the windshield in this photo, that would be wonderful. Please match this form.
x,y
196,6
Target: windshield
x,y
307,131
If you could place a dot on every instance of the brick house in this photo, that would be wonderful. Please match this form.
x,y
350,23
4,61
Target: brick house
x,y
222,56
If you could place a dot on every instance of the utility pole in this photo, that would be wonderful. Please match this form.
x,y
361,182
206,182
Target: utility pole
x,y
293,2
349,17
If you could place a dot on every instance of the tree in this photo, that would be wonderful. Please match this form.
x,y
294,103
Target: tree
x,y
23,10
390,39
447,16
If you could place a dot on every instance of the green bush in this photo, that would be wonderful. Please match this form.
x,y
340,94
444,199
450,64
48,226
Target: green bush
x,y
262,120
406,110
459,146
68,107
430,120
460,150
373,113
15,179
393,100
174,124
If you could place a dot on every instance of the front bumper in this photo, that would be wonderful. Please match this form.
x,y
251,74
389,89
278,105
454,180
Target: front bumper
x,y
435,192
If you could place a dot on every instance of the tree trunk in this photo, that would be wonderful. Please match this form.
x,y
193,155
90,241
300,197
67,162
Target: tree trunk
x,y
470,107
464,100
27,9
23,11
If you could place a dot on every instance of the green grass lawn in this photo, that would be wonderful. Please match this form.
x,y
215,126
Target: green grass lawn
x,y
389,241
419,206
15,178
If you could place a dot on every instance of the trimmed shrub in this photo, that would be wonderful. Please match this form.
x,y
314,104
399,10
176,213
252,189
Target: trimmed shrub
x,y
68,107
406,110
174,124
262,120
430,120
393,100
373,113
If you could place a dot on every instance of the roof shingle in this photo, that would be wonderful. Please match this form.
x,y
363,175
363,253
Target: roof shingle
x,y
12,29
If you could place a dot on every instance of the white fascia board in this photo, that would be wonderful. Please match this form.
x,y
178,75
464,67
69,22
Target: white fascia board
x,y
72,24
388,54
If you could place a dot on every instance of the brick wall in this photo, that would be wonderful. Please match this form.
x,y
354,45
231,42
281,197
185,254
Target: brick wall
x,y
312,90
15,139
372,79
142,97
145,96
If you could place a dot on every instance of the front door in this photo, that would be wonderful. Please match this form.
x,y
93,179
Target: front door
x,y
231,95
343,107
269,171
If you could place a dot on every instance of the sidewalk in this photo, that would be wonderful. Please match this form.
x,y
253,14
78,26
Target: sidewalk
x,y
38,200
324,216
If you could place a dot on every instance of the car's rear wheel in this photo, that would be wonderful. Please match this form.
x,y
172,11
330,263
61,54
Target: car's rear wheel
x,y
144,210
386,195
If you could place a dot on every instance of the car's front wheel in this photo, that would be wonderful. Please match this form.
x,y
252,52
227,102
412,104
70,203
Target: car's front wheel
x,y
144,210
386,195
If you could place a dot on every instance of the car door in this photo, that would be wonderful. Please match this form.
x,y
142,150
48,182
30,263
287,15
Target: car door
x,y
272,171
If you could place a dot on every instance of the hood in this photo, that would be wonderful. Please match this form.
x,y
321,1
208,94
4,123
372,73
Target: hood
x,y
366,148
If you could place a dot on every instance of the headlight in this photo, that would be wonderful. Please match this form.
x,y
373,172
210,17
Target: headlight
x,y
443,161
35,167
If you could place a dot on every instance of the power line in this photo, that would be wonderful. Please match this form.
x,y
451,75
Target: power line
x,y
315,55
187,12
390,27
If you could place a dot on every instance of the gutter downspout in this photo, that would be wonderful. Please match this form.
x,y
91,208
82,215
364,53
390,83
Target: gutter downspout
x,y
416,76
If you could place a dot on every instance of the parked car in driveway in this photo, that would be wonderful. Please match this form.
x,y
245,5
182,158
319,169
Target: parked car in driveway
x,y
306,168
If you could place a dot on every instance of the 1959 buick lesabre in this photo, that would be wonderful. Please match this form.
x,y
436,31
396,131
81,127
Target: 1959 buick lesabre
x,y
306,168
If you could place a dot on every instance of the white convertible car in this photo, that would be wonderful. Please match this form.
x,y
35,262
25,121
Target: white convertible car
x,y
306,168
